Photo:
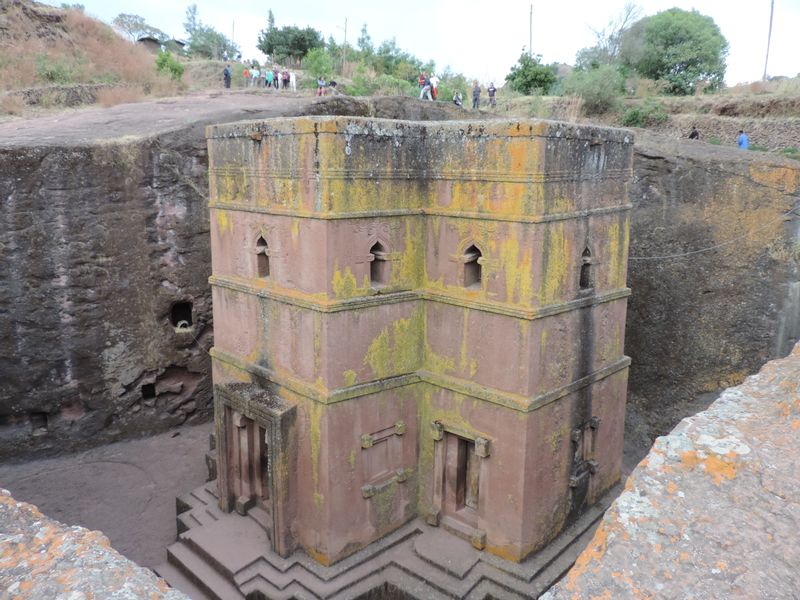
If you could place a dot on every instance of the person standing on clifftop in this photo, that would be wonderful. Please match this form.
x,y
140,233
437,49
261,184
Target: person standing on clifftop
x,y
742,140
476,96
694,134
491,90
226,76
425,90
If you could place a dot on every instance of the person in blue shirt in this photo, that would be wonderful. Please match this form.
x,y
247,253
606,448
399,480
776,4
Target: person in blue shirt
x,y
742,140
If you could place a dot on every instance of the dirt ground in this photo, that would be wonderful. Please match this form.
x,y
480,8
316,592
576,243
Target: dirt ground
x,y
126,490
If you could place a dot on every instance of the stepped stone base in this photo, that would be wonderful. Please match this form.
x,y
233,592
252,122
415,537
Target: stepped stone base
x,y
225,556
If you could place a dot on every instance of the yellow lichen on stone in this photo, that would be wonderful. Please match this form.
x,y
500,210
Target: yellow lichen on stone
x,y
350,377
396,349
555,258
519,280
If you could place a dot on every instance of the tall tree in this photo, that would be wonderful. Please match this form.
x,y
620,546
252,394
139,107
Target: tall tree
x,y
364,42
608,40
288,42
135,27
681,48
204,40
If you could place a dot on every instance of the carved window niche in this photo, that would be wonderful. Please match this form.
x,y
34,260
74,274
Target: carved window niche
x,y
586,281
459,463
379,265
180,316
382,460
473,267
262,258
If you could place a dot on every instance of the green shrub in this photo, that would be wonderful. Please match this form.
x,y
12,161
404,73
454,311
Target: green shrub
x,y
645,115
758,148
791,152
168,64
54,71
600,88
318,63
715,141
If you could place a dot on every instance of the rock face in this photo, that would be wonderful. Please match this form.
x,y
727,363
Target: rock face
x,y
104,252
41,558
712,511
713,271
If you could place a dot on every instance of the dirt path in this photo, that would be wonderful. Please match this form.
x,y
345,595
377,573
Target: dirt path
x,y
90,125
126,490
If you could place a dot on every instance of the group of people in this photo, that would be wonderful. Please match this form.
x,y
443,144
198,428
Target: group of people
x,y
429,90
476,95
428,86
269,78
741,140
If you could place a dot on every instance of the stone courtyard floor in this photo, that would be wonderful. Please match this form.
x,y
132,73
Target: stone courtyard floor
x,y
126,490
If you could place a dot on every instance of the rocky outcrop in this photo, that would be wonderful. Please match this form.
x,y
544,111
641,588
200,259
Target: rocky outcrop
x,y
712,511
42,558
713,270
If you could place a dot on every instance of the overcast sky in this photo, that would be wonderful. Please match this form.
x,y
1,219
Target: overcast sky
x,y
482,38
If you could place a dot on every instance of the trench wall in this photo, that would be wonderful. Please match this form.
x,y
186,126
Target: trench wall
x,y
98,242
713,269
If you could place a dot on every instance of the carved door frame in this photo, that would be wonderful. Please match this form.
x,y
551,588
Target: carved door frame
x,y
277,419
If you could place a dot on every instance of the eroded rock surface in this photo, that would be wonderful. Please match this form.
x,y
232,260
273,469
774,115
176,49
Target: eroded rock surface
x,y
713,270
712,511
41,558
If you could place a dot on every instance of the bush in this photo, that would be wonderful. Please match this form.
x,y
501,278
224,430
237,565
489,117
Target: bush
x,y
168,64
645,115
600,88
54,71
318,63
791,152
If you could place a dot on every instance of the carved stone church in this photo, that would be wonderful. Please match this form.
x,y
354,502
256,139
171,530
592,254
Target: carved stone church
x,y
418,363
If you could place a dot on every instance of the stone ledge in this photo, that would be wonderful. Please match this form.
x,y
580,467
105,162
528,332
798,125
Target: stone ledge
x,y
42,558
712,511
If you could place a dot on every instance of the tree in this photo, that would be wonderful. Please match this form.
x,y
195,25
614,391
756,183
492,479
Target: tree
x,y
135,27
204,40
681,48
608,40
289,42
530,76
318,63
364,42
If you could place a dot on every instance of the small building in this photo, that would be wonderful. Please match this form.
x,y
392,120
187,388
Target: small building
x,y
151,44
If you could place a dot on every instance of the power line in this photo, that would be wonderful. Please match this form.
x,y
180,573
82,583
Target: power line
x,y
721,244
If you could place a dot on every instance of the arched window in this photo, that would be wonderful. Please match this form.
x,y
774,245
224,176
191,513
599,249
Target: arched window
x,y
586,270
472,267
379,265
262,257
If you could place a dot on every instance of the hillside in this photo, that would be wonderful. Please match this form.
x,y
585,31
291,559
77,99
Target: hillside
x,y
45,46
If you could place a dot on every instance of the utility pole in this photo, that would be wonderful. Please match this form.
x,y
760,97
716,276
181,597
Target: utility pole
x,y
530,34
769,37
344,46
